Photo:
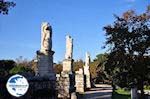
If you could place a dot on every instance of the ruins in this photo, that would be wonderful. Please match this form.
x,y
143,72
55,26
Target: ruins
x,y
66,79
45,54
79,81
67,83
87,71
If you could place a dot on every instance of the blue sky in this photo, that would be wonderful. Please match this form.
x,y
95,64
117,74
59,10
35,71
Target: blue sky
x,y
82,19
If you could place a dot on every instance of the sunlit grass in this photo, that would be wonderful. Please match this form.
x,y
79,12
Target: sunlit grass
x,y
121,94
122,91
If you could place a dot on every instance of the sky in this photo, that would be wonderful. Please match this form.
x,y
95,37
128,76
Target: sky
x,y
83,20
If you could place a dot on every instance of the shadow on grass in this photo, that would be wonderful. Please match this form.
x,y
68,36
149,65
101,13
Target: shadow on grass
x,y
116,95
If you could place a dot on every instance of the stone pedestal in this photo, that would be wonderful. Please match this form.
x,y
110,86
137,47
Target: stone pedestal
x,y
65,85
79,81
67,66
45,64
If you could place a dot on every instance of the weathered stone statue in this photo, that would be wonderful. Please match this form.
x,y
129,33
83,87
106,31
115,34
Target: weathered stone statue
x,y
87,71
69,47
45,55
45,77
46,37
67,63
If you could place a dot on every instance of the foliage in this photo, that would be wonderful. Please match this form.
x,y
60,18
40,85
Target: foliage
x,y
5,66
147,87
97,68
121,94
58,68
78,64
122,91
129,42
19,69
93,71
23,61
5,5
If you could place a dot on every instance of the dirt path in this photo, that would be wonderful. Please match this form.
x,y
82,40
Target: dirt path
x,y
102,91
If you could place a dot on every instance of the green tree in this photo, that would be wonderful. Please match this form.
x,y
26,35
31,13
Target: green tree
x,y
20,61
19,69
97,68
128,39
5,66
5,5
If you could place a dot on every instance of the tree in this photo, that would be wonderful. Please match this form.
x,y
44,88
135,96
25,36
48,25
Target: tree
x,y
97,68
5,5
58,68
20,69
5,66
128,39
78,64
20,61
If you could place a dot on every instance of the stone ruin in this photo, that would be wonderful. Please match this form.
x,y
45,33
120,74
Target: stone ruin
x,y
64,85
45,54
80,81
45,78
69,82
65,80
87,70
82,77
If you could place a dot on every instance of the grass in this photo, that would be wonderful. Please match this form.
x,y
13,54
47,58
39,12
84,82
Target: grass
x,y
121,94
147,87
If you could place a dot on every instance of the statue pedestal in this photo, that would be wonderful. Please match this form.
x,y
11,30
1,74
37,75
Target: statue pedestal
x,y
79,81
65,85
67,66
45,64
66,80
87,76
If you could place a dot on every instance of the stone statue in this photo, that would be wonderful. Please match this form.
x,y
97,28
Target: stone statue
x,y
87,59
87,70
46,37
69,47
45,55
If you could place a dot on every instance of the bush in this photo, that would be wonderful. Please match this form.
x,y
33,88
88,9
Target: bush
x,y
147,87
19,69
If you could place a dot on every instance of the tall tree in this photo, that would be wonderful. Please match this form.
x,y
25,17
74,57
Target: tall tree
x,y
97,67
5,5
128,39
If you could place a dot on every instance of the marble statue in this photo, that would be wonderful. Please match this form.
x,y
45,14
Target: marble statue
x,y
45,55
87,59
87,70
69,47
46,37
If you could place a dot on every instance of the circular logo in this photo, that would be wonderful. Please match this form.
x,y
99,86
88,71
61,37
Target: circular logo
x,y
17,85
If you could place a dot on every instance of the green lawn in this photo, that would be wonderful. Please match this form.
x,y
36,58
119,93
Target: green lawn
x,y
121,94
